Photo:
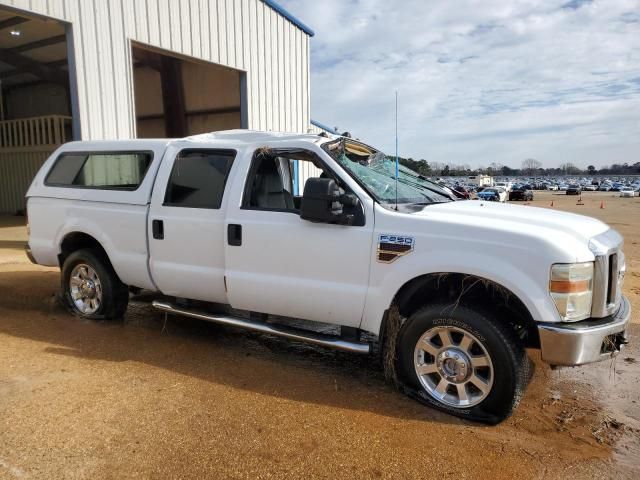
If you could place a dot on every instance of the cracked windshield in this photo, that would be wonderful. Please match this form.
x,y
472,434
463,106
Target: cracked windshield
x,y
376,172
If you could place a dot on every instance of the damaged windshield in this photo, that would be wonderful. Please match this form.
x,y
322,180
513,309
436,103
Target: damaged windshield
x,y
376,172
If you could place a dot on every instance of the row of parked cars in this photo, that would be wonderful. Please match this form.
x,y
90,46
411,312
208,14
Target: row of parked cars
x,y
584,184
632,190
496,194
626,190
522,189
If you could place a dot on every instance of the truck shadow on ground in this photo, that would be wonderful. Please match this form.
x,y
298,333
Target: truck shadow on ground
x,y
260,363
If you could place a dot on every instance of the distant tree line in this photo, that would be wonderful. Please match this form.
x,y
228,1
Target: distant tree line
x,y
530,167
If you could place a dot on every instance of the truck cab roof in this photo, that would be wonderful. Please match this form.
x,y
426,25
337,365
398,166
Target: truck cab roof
x,y
155,150
238,137
252,137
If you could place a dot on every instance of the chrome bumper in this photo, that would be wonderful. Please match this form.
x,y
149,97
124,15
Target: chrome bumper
x,y
586,341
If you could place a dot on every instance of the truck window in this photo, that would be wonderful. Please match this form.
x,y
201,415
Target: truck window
x,y
276,180
198,178
102,170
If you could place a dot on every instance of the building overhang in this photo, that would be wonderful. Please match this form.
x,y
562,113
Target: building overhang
x,y
282,11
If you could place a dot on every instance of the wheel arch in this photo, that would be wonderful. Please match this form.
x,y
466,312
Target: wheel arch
x,y
77,240
81,248
470,290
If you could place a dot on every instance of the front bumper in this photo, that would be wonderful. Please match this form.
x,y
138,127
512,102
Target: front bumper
x,y
587,341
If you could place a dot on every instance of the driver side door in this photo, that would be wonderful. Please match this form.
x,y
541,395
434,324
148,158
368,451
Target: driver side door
x,y
279,264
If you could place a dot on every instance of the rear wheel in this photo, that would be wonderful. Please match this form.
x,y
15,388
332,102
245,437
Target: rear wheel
x,y
91,288
462,361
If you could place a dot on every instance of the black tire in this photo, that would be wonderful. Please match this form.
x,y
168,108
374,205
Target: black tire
x,y
115,294
508,356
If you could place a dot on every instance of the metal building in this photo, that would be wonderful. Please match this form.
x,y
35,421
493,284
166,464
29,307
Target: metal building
x,y
98,69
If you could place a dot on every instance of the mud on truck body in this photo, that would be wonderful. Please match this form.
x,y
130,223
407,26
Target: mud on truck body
x,y
252,228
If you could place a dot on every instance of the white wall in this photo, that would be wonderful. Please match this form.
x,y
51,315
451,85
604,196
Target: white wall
x,y
243,34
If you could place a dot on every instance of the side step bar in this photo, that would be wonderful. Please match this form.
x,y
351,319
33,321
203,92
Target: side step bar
x,y
279,330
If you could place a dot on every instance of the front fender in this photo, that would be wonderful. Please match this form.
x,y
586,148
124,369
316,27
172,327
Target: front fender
x,y
527,285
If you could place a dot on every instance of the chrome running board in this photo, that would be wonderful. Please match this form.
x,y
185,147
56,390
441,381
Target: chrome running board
x,y
279,330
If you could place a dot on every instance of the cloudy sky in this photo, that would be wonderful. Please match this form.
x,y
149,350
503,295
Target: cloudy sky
x,y
481,81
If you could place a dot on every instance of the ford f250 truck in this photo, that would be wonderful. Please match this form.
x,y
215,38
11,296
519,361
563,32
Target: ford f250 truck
x,y
252,229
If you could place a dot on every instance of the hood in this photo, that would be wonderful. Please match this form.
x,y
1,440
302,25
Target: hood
x,y
523,219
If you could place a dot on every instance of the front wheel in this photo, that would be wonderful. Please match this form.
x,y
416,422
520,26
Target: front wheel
x,y
91,288
460,360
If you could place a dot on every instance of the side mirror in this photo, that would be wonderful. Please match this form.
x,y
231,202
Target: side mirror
x,y
322,202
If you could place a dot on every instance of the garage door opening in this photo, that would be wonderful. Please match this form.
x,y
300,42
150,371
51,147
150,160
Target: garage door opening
x,y
177,97
35,100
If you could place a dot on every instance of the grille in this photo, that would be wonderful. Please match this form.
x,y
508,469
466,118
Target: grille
x,y
609,261
606,281
606,288
612,278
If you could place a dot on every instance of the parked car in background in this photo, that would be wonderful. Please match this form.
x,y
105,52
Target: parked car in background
x,y
493,194
520,192
604,187
590,188
627,192
461,192
574,189
453,195
506,185
553,187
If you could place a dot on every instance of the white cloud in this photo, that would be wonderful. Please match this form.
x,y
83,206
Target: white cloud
x,y
481,80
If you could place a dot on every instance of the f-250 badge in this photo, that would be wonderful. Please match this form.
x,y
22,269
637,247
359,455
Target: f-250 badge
x,y
390,247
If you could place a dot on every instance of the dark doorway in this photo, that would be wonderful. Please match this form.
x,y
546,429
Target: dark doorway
x,y
35,100
177,97
34,81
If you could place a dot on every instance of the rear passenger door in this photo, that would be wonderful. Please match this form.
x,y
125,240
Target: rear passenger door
x,y
187,222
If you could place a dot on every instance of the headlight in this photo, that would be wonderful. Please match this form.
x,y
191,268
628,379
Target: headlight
x,y
571,287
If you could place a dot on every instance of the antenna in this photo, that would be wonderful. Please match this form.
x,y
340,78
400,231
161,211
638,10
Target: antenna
x,y
397,165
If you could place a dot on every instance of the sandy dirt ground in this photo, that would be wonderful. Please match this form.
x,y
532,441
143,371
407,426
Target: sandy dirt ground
x,y
149,398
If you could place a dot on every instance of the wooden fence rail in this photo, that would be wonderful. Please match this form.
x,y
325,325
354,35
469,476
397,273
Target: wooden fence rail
x,y
35,131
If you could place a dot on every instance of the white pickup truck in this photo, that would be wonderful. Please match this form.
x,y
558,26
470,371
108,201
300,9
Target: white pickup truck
x,y
252,229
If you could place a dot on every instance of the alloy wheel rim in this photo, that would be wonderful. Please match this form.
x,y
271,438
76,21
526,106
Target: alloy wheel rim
x,y
453,366
85,289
